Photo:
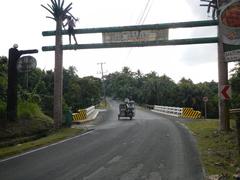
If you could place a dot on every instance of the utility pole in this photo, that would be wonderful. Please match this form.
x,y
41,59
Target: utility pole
x,y
103,83
222,80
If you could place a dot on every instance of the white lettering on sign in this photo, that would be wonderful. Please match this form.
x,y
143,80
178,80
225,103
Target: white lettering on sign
x,y
135,36
233,55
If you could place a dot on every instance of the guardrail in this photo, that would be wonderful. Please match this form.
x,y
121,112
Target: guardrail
x,y
177,111
234,111
83,114
173,111
90,110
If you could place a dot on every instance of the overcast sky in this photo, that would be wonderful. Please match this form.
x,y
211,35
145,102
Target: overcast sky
x,y
23,22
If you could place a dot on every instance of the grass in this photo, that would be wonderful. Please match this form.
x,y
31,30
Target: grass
x,y
219,152
54,137
30,121
102,105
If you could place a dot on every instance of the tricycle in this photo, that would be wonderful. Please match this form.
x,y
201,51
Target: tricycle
x,y
126,109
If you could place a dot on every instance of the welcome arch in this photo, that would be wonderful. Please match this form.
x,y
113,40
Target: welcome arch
x,y
222,65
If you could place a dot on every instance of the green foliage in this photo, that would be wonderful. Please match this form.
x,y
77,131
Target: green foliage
x,y
161,90
77,92
35,99
31,121
3,77
28,110
235,83
80,92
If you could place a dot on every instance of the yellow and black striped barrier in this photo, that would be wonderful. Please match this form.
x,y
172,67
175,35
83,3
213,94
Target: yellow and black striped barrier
x,y
81,115
190,113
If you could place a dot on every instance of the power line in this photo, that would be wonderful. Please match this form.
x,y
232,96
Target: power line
x,y
150,6
143,12
146,9
141,19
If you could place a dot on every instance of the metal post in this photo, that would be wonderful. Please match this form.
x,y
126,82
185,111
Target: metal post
x,y
222,80
205,110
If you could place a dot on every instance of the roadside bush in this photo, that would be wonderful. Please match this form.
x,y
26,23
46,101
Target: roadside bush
x,y
32,113
28,110
31,122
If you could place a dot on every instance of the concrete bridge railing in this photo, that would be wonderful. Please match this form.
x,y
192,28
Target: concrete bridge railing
x,y
177,111
83,114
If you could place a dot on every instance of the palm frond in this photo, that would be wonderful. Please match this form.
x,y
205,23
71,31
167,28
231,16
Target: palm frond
x,y
55,2
67,8
66,11
57,9
47,9
51,7
62,4
51,18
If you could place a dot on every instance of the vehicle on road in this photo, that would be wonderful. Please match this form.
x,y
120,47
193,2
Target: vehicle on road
x,y
127,109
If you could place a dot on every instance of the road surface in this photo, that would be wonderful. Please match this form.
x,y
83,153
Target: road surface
x,y
149,147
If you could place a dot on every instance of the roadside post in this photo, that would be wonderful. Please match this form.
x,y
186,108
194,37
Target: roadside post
x,y
68,117
205,100
14,55
236,113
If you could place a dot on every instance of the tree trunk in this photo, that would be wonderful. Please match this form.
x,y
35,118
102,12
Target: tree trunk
x,y
58,76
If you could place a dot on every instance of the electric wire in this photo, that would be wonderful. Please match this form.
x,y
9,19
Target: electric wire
x,y
142,18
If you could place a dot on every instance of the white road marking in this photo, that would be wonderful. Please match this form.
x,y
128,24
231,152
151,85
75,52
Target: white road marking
x,y
133,174
96,174
35,150
115,159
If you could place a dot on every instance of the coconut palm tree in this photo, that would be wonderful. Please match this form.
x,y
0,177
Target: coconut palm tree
x,y
59,14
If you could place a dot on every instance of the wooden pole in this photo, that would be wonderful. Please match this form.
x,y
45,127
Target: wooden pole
x,y
58,77
222,80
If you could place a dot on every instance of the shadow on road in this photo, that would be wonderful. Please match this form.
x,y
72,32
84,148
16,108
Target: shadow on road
x,y
126,119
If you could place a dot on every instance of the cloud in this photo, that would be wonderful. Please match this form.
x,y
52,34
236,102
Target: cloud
x,y
199,54
198,11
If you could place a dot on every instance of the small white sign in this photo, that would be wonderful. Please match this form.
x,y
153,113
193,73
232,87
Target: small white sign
x,y
26,63
205,99
233,55
135,36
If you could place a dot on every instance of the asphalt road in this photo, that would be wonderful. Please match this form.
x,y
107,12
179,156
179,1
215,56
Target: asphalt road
x,y
149,147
